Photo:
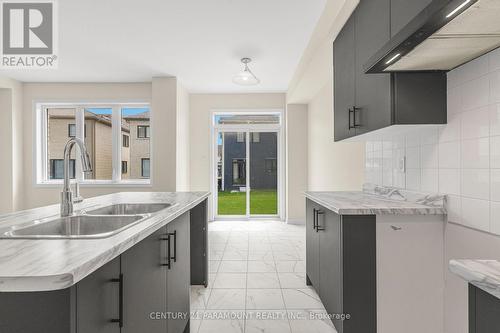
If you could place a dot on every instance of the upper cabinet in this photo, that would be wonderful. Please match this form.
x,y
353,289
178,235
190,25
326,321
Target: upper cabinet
x,y
367,102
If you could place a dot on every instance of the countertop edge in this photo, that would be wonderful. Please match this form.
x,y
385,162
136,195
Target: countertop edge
x,y
429,210
483,281
67,279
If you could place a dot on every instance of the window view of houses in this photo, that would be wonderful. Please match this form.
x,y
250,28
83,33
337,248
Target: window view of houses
x,y
135,142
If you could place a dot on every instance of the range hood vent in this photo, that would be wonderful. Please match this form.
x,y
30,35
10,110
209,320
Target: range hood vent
x,y
445,35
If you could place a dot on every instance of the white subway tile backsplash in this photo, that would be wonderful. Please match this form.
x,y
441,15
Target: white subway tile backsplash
x,y
429,136
454,100
413,179
462,158
495,185
454,208
413,157
429,156
494,87
475,93
476,213
495,218
429,180
449,181
476,183
476,123
495,152
494,114
476,153
451,132
449,155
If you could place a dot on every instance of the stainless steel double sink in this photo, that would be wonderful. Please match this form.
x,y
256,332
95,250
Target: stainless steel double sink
x,y
97,223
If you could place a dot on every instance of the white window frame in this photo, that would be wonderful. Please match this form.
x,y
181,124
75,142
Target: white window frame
x,y
40,161
247,128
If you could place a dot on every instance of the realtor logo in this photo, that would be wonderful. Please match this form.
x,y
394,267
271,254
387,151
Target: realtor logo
x,y
28,34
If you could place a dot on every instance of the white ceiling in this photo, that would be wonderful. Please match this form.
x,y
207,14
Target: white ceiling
x,y
198,41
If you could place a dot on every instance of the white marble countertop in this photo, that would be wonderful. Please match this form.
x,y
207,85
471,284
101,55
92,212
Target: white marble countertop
x,y
363,203
484,274
51,264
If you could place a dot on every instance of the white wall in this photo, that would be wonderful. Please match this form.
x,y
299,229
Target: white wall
x,y
200,106
162,93
296,162
332,166
11,145
461,159
183,146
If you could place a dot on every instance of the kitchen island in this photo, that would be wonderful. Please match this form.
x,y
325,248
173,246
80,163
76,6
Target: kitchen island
x,y
483,277
375,257
134,280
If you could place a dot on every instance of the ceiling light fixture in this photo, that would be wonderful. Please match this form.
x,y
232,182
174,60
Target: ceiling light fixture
x,y
393,58
458,8
246,77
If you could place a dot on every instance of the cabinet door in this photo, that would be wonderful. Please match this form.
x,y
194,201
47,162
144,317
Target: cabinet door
x,y
145,284
403,11
330,254
97,300
178,276
343,81
373,91
483,311
312,246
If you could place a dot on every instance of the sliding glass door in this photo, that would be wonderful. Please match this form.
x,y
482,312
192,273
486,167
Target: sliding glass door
x,y
246,166
232,173
263,189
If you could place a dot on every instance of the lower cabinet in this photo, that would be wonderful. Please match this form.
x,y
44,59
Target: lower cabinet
x,y
98,300
178,276
341,266
145,289
484,311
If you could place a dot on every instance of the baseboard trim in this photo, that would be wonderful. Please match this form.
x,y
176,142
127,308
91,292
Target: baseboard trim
x,y
296,221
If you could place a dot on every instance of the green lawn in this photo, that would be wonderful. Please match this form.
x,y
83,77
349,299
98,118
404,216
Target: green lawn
x,y
262,202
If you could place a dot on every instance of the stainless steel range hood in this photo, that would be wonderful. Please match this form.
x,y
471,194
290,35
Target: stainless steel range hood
x,y
445,35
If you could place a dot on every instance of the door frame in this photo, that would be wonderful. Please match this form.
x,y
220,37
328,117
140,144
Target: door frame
x,y
247,129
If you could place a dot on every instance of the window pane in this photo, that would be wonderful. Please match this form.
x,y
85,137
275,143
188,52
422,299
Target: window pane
x,y
137,121
145,168
71,130
99,142
58,124
247,119
264,174
57,169
232,175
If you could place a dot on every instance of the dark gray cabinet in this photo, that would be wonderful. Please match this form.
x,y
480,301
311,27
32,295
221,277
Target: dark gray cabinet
x,y
312,245
145,289
373,92
367,102
98,300
484,311
145,284
178,276
342,249
344,82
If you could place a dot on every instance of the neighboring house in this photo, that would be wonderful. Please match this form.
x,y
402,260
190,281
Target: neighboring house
x,y
263,157
140,134
98,140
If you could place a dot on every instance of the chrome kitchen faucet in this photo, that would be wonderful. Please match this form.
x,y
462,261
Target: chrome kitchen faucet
x,y
66,194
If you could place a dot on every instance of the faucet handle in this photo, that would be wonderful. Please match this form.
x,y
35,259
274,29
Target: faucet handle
x,y
77,198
